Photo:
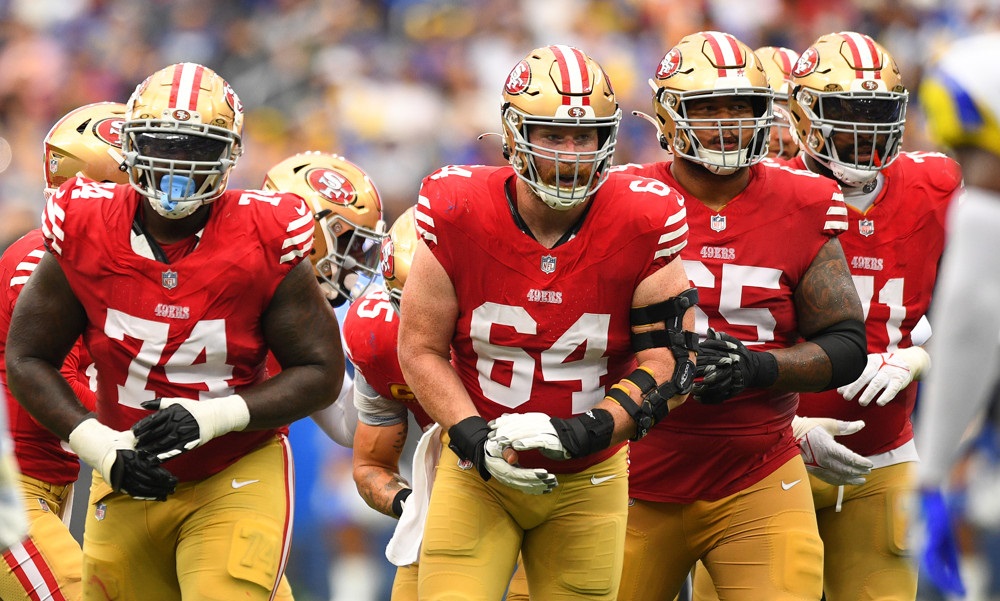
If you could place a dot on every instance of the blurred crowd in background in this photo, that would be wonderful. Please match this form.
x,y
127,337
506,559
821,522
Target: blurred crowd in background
x,y
399,87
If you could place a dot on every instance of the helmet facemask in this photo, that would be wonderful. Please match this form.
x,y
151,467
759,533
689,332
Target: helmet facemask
x,y
853,134
178,166
746,138
352,261
587,170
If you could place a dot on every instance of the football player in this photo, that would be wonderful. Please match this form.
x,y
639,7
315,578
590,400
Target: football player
x,y
347,211
384,402
962,107
722,478
778,63
558,292
180,287
848,107
48,562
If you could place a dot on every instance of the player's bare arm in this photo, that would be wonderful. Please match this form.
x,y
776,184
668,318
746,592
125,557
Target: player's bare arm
x,y
45,324
831,320
301,330
377,450
428,314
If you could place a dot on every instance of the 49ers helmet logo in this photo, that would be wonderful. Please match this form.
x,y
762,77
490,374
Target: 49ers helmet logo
x,y
233,100
807,63
332,185
519,78
386,264
669,65
110,130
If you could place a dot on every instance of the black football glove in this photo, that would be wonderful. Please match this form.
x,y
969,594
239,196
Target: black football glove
x,y
726,367
140,475
468,441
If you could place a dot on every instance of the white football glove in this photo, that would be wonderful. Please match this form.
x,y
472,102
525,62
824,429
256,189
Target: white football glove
x,y
13,519
529,481
525,431
826,458
888,373
113,454
179,425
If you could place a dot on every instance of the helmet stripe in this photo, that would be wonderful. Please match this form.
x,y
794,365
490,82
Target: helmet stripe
x,y
185,86
725,50
788,59
865,54
573,70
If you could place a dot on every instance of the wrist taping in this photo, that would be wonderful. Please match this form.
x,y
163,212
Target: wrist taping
x,y
586,433
846,345
397,501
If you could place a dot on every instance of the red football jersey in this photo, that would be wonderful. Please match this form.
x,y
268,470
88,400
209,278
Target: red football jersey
x,y
893,250
191,328
371,329
746,261
543,329
40,454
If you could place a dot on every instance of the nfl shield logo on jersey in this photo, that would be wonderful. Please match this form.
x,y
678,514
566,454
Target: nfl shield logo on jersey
x,y
169,279
100,511
866,227
548,264
718,223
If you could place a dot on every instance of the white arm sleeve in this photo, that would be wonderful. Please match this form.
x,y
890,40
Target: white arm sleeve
x,y
966,343
340,419
373,408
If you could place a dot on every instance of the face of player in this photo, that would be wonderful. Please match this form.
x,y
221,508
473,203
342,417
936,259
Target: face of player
x,y
857,136
564,155
722,123
782,145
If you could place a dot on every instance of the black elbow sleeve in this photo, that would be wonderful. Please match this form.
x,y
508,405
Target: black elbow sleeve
x,y
846,345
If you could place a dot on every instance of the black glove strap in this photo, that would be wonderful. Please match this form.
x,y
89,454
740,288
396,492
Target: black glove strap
x,y
586,433
467,440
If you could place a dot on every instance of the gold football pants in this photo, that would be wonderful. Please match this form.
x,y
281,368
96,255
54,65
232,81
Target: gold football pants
x,y
760,543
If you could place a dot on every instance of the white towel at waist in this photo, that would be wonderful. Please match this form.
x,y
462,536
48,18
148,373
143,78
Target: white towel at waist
x,y
404,546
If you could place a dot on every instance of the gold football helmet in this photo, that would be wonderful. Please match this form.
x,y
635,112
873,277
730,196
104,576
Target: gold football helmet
x,y
348,213
710,64
559,86
397,254
86,141
181,137
778,63
961,107
848,106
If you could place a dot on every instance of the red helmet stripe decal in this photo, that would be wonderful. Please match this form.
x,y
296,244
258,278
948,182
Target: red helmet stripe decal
x,y
866,56
185,86
573,70
725,50
788,59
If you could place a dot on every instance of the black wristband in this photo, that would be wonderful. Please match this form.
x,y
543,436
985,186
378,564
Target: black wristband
x,y
585,433
467,439
767,370
399,499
